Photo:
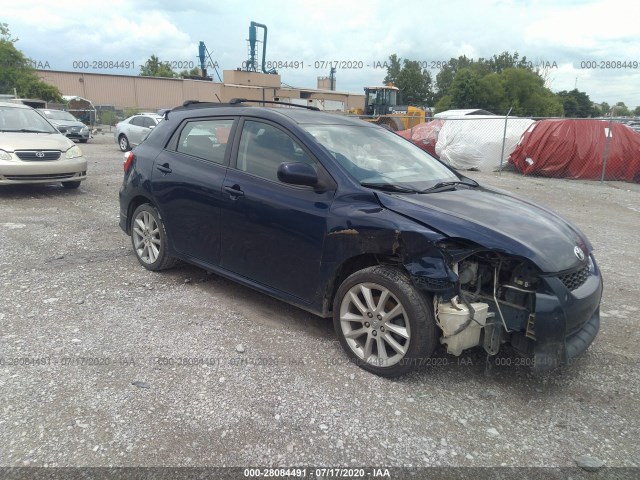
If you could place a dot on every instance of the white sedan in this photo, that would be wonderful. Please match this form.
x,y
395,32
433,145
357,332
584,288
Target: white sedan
x,y
133,130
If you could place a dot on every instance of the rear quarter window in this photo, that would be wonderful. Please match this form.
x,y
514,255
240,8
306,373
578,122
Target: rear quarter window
x,y
205,139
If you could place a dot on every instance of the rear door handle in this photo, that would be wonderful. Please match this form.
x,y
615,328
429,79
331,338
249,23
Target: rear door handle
x,y
164,168
234,192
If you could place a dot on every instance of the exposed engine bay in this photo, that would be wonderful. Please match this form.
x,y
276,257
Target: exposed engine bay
x,y
496,297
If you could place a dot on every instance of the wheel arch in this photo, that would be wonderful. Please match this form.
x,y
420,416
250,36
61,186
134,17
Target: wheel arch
x,y
135,203
352,265
428,272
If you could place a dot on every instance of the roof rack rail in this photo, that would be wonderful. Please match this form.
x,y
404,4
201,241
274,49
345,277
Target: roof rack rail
x,y
236,101
189,103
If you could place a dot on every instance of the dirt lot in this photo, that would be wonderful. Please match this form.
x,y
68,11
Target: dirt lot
x,y
105,363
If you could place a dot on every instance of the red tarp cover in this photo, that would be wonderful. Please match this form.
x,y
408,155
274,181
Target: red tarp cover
x,y
424,135
575,149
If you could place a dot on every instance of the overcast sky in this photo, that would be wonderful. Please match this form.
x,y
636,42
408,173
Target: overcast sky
x,y
566,33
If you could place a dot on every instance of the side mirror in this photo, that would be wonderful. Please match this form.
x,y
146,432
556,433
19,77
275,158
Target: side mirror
x,y
297,173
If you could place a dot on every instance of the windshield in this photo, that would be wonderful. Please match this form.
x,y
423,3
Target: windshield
x,y
17,119
60,115
391,97
375,155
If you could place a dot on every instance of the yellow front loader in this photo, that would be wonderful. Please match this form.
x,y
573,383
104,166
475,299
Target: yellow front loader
x,y
382,106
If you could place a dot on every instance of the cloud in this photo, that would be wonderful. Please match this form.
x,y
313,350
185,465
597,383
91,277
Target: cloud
x,y
326,30
598,28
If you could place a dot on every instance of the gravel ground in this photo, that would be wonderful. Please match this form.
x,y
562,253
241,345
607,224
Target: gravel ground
x,y
107,364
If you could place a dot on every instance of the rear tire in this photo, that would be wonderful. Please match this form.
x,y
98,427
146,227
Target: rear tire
x,y
123,143
71,185
383,322
149,239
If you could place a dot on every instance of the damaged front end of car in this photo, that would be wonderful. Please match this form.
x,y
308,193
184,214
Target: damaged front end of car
x,y
487,298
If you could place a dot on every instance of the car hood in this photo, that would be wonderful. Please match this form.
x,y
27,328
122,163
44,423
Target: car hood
x,y
498,221
10,141
67,123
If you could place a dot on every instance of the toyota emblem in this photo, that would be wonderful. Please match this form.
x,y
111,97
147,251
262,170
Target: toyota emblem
x,y
579,253
40,154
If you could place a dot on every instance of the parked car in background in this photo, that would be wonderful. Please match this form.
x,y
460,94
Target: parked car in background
x,y
634,126
32,150
348,220
68,124
133,130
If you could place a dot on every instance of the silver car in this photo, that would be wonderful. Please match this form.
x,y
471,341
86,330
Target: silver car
x,y
68,125
34,151
133,130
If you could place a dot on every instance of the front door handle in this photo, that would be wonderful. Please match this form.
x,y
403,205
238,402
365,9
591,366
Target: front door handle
x,y
234,192
164,168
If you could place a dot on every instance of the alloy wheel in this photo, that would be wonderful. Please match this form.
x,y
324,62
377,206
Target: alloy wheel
x,y
375,324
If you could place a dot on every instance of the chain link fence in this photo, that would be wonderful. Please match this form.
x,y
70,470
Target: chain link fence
x,y
590,149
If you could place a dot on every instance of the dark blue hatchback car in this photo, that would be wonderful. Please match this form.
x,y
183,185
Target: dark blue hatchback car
x,y
346,219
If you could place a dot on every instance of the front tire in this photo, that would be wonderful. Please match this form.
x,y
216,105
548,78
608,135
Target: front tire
x,y
383,322
149,239
391,123
123,143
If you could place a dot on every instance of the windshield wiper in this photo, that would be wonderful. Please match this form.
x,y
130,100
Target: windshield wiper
x,y
26,130
389,187
440,186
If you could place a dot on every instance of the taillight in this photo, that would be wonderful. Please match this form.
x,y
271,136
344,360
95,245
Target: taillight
x,y
128,160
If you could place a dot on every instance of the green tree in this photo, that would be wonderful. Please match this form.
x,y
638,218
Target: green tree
x,y
491,94
447,73
498,63
636,111
577,104
128,112
526,93
569,105
445,103
108,117
465,89
514,87
195,71
16,72
620,110
414,83
155,68
393,70
482,67
498,83
605,108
